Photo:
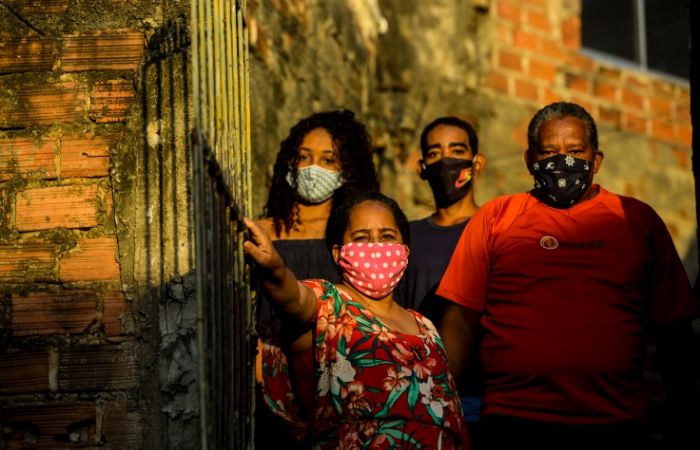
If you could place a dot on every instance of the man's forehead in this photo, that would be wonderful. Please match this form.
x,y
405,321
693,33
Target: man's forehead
x,y
567,125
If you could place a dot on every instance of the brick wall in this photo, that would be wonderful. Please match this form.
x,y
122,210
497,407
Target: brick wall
x,y
536,58
69,368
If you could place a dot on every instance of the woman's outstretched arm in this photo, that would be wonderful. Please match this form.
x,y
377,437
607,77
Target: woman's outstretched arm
x,y
294,300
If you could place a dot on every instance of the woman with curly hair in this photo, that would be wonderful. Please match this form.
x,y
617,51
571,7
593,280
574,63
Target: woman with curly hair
x,y
326,157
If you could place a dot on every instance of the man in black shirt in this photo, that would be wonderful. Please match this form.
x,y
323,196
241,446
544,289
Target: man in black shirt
x,y
450,160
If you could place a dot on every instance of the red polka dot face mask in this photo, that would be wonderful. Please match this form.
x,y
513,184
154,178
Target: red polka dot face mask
x,y
373,269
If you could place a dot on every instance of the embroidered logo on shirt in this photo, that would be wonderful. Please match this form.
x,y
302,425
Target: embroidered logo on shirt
x,y
549,242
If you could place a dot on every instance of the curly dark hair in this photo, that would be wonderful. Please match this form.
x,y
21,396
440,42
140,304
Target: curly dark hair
x,y
340,217
350,139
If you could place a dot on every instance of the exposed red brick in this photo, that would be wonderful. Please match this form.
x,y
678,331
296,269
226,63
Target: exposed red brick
x,y
682,158
538,21
49,425
542,70
525,40
610,116
510,60
662,130
553,49
110,100
505,33
53,207
114,305
635,81
525,90
497,81
27,262
549,96
121,426
61,312
685,136
662,87
683,111
534,4
102,50
585,104
610,73
660,106
634,122
92,260
571,32
578,83
44,104
606,91
24,372
84,156
97,369
29,54
632,99
509,10
38,6
579,62
24,156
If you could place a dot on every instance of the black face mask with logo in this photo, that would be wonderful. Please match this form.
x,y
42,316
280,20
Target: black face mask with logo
x,y
449,178
561,180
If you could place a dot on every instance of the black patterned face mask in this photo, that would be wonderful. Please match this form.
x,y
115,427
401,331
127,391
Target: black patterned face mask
x,y
561,180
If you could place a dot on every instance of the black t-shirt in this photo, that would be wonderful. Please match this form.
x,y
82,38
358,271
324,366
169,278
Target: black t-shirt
x,y
431,249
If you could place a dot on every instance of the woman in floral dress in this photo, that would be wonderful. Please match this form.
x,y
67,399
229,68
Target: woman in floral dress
x,y
360,371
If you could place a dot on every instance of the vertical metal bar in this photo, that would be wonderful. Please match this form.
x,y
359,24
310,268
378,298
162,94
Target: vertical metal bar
x,y
230,96
217,32
246,199
209,61
236,92
202,63
197,164
641,34
194,31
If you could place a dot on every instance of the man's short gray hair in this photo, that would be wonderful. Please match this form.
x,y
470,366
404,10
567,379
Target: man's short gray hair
x,y
559,110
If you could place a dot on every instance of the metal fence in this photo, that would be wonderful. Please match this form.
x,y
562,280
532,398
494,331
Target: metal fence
x,y
221,196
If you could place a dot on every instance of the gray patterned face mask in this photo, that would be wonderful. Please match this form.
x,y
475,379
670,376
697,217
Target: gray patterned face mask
x,y
316,184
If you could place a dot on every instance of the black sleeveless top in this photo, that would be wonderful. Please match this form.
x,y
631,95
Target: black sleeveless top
x,y
307,259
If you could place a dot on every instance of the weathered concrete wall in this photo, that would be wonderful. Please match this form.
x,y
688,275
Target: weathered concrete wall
x,y
306,56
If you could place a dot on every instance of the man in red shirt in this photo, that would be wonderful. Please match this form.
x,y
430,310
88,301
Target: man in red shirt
x,y
563,280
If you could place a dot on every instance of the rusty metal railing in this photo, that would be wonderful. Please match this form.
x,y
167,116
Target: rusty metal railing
x,y
221,196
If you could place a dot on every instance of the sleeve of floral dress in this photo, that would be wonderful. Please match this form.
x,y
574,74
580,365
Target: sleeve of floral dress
x,y
278,393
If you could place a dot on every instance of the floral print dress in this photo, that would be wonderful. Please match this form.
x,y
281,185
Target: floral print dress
x,y
375,387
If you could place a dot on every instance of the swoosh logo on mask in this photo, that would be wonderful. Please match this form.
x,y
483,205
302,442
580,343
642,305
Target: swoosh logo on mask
x,y
463,178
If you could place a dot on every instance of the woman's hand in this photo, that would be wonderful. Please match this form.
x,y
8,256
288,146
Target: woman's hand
x,y
260,248
296,300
